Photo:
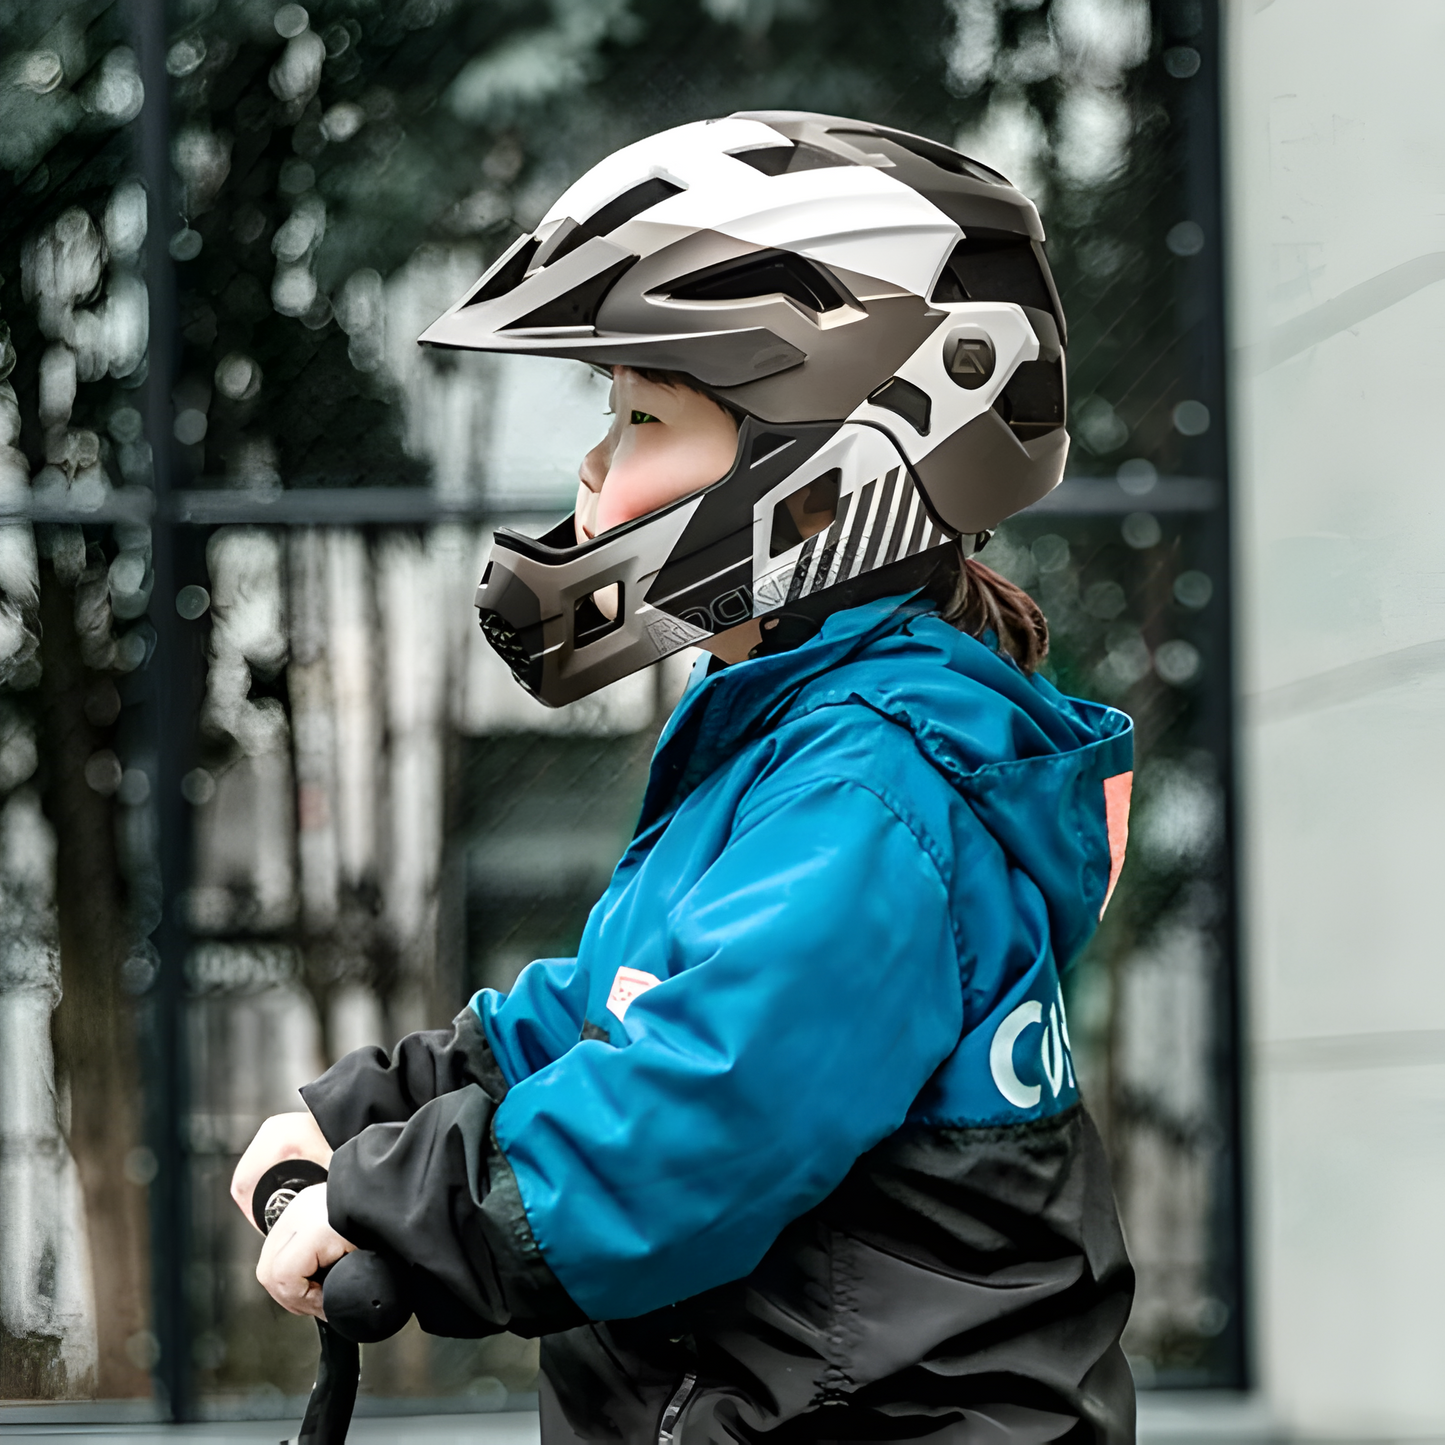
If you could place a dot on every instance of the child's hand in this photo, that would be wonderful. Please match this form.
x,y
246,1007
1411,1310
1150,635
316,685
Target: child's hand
x,y
300,1245
282,1136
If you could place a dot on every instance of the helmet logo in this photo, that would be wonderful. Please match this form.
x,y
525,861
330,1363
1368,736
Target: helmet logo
x,y
671,634
971,363
733,607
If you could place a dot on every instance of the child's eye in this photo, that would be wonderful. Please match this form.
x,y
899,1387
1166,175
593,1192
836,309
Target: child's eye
x,y
638,417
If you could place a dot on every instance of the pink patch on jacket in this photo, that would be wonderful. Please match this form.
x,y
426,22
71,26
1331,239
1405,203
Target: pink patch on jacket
x,y
1116,813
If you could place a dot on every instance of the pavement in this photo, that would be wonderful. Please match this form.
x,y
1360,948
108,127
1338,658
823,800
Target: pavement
x,y
1205,1417
511,1427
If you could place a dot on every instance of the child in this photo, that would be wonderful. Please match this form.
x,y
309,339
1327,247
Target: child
x,y
793,1149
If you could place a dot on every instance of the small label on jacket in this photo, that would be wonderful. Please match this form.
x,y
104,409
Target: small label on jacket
x,y
626,986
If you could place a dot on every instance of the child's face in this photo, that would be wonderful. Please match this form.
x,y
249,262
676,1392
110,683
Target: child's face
x,y
665,442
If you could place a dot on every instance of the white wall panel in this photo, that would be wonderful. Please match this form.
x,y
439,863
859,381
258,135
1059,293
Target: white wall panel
x,y
1335,122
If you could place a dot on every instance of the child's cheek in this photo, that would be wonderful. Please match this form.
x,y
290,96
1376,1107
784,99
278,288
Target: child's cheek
x,y
646,473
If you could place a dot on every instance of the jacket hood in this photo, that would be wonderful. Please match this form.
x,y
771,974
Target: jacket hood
x,y
1030,762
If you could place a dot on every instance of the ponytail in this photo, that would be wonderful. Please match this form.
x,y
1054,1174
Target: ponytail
x,y
984,602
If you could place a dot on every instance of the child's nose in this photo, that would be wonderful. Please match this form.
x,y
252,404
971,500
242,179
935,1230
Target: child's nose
x,y
593,471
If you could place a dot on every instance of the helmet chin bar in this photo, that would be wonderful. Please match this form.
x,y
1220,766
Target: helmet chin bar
x,y
714,560
536,608
535,600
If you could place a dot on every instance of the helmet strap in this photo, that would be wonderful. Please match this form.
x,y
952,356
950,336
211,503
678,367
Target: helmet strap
x,y
783,631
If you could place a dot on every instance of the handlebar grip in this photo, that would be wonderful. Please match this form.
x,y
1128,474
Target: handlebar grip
x,y
363,1297
362,1292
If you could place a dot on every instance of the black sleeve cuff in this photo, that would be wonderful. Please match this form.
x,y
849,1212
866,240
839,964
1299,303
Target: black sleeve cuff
x,y
437,1193
365,1087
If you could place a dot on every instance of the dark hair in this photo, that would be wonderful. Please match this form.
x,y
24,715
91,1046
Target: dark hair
x,y
984,602
667,378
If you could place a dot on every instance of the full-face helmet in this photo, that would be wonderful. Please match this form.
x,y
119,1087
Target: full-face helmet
x,y
874,307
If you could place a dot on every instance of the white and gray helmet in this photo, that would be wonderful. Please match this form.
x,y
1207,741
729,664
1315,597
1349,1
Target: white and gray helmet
x,y
874,306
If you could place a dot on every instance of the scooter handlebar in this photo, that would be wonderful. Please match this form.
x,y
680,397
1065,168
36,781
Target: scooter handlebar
x,y
362,1293
363,1297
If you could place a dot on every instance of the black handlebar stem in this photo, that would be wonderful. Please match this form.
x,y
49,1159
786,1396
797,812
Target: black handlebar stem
x,y
363,1298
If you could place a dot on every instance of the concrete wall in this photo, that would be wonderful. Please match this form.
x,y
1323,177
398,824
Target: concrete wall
x,y
1335,120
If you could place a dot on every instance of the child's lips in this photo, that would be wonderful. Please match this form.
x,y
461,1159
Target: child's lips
x,y
585,514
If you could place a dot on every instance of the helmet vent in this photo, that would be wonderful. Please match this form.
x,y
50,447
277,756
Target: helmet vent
x,y
983,268
1033,401
590,623
787,160
911,402
577,307
944,157
805,512
507,276
765,273
616,213
507,643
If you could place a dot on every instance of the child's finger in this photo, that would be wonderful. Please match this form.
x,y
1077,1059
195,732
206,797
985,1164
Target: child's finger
x,y
301,1245
283,1136
288,1261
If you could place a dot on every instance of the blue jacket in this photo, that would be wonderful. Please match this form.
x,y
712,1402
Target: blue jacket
x,y
860,870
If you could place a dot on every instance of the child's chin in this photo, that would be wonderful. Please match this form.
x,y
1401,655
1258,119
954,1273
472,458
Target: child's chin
x,y
606,600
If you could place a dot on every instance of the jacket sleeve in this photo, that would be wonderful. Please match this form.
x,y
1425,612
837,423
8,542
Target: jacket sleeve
x,y
366,1087
416,1173
538,1020
434,1193
812,987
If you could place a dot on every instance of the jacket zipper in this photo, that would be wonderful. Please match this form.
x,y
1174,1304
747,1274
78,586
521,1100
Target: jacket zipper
x,y
675,1407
